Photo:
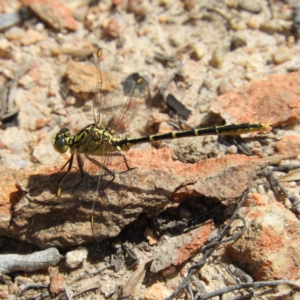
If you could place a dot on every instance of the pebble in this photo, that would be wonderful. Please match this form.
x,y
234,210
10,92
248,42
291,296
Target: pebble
x,y
217,58
237,42
199,49
139,8
225,86
169,271
286,15
281,56
10,19
57,284
23,280
237,24
250,6
6,52
115,26
232,149
189,4
152,240
232,3
271,26
254,22
293,68
76,257
39,26
31,37
14,33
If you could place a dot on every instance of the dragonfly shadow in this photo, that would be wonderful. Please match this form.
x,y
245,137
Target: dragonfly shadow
x,y
48,220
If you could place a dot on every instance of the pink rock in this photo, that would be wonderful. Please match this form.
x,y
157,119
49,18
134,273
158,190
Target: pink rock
x,y
289,146
274,100
54,13
179,249
57,283
270,247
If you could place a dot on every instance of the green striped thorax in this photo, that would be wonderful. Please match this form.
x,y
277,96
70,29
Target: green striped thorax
x,y
92,139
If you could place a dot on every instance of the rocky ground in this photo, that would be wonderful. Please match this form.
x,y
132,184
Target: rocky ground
x,y
225,62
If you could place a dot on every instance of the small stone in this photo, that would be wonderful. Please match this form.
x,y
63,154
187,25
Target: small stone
x,y
23,280
79,75
13,289
271,26
42,122
26,81
76,257
14,33
4,292
139,8
40,26
115,26
152,240
31,37
254,22
293,68
237,24
166,3
225,86
5,48
198,50
54,13
281,56
232,3
286,15
169,271
232,149
250,6
217,59
189,4
164,127
237,42
158,118
57,283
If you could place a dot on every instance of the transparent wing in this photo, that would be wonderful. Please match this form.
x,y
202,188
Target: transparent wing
x,y
119,105
109,91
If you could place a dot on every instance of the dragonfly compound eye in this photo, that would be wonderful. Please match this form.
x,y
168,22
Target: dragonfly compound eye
x,y
61,144
60,140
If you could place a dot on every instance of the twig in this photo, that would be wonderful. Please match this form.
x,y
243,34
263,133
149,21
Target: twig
x,y
27,286
90,274
254,285
29,262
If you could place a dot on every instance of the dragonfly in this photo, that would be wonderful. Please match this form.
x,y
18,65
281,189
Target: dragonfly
x,y
115,113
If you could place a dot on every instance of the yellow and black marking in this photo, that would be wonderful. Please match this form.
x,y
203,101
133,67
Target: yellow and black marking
x,y
232,129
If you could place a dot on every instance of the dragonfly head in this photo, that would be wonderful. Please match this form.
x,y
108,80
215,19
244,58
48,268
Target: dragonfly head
x,y
60,140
